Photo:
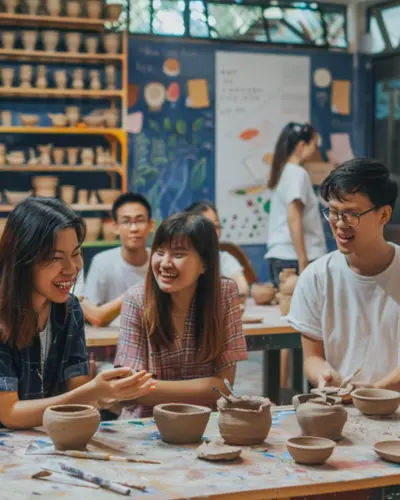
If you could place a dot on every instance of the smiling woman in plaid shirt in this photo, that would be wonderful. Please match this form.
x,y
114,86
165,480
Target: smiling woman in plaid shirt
x,y
43,358
183,325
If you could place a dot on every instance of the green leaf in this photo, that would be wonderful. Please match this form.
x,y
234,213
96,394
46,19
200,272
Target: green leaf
x,y
198,174
167,124
181,127
154,125
197,124
139,182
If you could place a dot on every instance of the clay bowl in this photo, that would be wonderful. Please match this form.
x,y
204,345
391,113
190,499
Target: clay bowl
x,y
181,423
108,195
388,450
263,293
372,401
245,421
310,450
71,426
14,197
28,120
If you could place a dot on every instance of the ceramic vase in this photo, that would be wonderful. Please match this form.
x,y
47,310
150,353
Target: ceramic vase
x,y
73,8
91,44
7,76
245,421
93,227
50,40
113,11
33,7
67,193
72,156
110,77
111,43
71,426
58,155
87,156
29,39
53,7
6,118
25,75
73,41
94,76
77,78
8,39
41,77
94,8
60,78
11,6
83,196
73,114
263,293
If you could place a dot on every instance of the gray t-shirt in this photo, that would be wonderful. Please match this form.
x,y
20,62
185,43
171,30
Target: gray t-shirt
x,y
110,276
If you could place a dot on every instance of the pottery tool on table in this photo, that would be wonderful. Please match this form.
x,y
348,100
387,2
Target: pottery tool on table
x,y
347,379
91,478
230,388
222,394
32,449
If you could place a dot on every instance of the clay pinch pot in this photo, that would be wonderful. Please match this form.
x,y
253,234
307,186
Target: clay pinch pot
x,y
71,426
15,197
342,393
245,421
299,399
287,281
181,423
28,120
263,293
58,119
388,450
371,401
317,417
310,450
113,11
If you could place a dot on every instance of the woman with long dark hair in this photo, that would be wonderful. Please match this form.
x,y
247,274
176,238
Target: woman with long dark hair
x,y
295,233
43,358
183,325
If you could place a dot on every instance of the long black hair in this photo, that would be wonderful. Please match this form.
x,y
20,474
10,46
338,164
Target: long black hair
x,y
287,141
29,238
199,233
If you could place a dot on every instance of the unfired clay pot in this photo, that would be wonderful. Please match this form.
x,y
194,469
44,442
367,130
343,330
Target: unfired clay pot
x,y
373,401
73,41
91,44
83,196
72,156
284,303
53,7
33,7
310,450
93,228
180,423
245,421
317,418
299,399
113,11
50,40
111,43
73,8
8,39
29,39
71,426
94,8
60,78
263,293
67,193
109,230
287,281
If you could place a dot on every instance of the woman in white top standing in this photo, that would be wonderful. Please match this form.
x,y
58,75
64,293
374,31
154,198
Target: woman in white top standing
x,y
295,232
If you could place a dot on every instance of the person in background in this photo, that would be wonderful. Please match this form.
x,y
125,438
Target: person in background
x,y
347,303
229,266
113,271
184,323
295,232
43,358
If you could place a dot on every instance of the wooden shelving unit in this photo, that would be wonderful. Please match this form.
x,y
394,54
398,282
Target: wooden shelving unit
x,y
58,56
100,207
61,94
52,22
62,168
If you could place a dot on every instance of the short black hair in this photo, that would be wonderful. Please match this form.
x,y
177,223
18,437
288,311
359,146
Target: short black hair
x,y
361,175
130,197
201,206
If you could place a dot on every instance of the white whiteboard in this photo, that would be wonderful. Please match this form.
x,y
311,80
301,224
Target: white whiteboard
x,y
256,96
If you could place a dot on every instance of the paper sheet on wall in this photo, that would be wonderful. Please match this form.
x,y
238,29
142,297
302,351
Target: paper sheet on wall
x,y
341,149
256,96
340,99
198,93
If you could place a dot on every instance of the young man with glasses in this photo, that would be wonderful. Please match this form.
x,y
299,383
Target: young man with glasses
x,y
113,271
347,303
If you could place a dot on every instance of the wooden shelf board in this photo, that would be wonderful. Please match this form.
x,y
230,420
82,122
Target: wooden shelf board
x,y
61,130
61,168
76,206
58,56
57,93
53,21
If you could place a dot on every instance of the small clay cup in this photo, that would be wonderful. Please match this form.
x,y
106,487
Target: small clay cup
x,y
310,450
180,423
371,401
71,426
263,293
245,421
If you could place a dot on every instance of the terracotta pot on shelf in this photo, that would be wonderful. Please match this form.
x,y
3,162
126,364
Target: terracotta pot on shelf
x,y
15,197
111,42
93,228
94,8
8,39
77,78
95,83
11,6
91,44
109,230
45,185
113,11
71,426
111,117
73,114
87,157
73,8
60,78
58,119
110,76
83,196
53,7
72,156
32,7
7,76
67,193
50,40
6,118
29,39
73,41
28,120
16,158
58,155
25,76
41,77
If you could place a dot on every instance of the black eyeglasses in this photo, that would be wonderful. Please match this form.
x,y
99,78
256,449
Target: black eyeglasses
x,y
349,218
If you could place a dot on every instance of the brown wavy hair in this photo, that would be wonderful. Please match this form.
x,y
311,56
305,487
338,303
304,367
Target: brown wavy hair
x,y
287,141
199,233
29,237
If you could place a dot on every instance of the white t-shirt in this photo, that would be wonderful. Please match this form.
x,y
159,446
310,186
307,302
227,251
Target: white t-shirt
x,y
110,276
294,184
228,265
357,317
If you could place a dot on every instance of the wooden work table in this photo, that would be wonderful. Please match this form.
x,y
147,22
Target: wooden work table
x,y
270,335
265,471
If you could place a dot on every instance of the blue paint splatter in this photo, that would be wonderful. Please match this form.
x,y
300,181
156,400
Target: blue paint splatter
x,y
136,422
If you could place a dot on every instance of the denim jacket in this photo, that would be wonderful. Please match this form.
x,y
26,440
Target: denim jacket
x,y
20,370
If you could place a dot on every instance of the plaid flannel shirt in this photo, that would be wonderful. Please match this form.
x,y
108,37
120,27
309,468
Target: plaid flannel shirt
x,y
20,370
179,361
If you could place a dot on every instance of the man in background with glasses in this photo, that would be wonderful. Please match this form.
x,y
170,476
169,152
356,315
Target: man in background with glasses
x,y
113,271
347,303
